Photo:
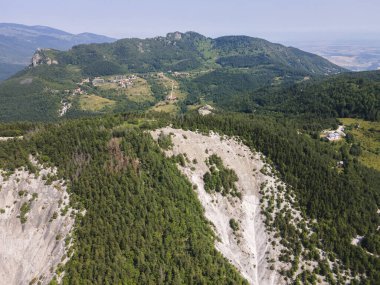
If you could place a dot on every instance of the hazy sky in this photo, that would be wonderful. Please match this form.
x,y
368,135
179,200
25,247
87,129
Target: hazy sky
x,y
272,19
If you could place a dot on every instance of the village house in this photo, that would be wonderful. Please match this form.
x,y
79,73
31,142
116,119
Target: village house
x,y
333,136
97,81
171,97
123,81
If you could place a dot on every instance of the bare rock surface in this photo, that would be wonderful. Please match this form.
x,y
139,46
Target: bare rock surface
x,y
35,219
249,248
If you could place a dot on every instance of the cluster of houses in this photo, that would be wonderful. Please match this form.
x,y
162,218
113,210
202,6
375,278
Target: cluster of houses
x,y
122,81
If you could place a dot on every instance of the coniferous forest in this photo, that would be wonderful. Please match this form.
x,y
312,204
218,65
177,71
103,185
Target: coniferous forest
x,y
143,223
138,220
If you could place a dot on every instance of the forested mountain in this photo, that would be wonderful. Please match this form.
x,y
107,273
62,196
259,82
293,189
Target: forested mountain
x,y
346,95
187,51
242,51
140,222
343,95
138,219
19,42
234,64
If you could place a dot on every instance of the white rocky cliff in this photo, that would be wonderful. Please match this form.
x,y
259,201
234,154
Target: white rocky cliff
x,y
40,58
35,220
256,248
249,248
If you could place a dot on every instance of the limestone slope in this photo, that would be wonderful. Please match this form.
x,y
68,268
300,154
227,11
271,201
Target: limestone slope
x,y
35,220
270,241
249,248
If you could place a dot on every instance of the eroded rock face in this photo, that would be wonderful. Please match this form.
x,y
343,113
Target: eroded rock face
x,y
35,219
205,110
253,242
249,248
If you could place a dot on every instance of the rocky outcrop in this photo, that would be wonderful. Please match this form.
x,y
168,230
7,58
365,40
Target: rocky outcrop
x,y
40,57
205,110
176,36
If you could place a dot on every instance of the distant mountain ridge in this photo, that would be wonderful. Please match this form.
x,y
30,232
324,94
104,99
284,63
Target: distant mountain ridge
x,y
19,42
226,68
186,51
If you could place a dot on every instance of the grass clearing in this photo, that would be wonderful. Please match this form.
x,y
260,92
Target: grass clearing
x,y
73,68
94,103
166,108
140,91
108,86
368,135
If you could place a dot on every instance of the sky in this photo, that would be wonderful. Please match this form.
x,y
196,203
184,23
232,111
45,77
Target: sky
x,y
276,20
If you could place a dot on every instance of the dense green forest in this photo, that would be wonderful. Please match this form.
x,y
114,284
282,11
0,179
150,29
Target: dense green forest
x,y
143,222
344,203
219,178
188,51
344,95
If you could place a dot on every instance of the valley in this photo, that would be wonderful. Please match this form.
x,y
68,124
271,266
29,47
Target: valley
x,y
185,159
356,55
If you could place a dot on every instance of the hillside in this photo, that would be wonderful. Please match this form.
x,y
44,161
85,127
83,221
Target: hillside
x,y
168,205
186,51
343,95
162,64
19,42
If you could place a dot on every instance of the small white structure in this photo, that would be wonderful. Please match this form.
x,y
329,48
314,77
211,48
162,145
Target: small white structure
x,y
333,136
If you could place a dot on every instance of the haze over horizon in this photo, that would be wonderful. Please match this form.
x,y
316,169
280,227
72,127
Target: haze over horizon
x,y
293,21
